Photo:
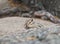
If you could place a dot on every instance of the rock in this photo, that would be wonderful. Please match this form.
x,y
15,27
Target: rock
x,y
46,15
26,15
14,32
4,4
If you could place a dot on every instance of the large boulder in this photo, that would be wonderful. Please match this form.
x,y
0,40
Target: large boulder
x,y
13,31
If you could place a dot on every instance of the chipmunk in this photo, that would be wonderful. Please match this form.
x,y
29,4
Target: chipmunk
x,y
31,24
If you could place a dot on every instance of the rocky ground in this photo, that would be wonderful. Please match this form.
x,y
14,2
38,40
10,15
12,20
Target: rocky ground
x,y
53,6
13,31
